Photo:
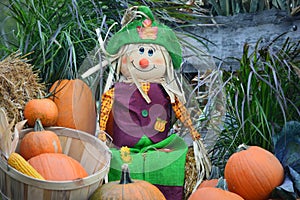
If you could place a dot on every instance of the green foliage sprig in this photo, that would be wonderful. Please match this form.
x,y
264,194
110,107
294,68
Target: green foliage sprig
x,y
262,95
232,7
57,34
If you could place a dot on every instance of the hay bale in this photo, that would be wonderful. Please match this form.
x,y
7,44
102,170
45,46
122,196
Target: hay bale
x,y
18,84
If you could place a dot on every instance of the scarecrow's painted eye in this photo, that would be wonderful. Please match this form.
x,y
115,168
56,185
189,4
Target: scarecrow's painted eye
x,y
150,52
141,50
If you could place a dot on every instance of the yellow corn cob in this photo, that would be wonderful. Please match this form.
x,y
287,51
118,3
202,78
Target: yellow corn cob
x,y
16,161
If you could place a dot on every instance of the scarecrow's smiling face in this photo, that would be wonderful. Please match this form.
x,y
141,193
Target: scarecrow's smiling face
x,y
144,61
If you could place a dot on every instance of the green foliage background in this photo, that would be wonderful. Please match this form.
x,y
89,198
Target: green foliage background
x,y
58,37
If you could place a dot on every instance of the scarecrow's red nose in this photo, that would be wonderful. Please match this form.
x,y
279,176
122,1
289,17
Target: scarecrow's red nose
x,y
144,63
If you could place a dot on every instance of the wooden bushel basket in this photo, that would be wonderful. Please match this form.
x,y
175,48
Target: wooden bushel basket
x,y
92,153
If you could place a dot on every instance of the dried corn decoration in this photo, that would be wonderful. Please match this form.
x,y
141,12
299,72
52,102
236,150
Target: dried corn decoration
x,y
16,161
18,84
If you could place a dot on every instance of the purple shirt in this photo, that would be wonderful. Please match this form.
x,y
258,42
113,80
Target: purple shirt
x,y
134,117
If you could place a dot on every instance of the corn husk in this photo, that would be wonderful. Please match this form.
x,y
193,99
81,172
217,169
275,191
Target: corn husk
x,y
9,139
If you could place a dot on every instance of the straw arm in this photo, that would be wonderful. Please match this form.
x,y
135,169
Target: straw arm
x,y
94,69
97,67
203,163
104,63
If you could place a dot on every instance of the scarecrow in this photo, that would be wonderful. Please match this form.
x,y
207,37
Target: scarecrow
x,y
141,102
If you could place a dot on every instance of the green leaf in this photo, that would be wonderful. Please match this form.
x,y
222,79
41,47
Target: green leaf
x,y
217,7
287,150
253,6
285,190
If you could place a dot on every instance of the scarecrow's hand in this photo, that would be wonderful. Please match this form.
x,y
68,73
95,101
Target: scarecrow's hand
x,y
165,150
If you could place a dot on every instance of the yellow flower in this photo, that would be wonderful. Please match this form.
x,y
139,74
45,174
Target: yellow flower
x,y
125,154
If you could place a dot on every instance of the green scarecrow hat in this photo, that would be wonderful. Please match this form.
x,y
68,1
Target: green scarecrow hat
x,y
147,30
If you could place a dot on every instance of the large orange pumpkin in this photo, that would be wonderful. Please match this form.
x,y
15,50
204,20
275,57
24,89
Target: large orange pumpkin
x,y
44,109
76,105
212,193
57,167
253,173
39,141
127,189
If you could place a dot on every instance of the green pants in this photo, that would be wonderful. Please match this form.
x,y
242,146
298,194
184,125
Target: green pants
x,y
162,163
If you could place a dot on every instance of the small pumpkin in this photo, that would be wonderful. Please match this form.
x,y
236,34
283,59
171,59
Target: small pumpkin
x,y
57,167
215,179
127,189
212,193
39,141
253,172
76,105
209,183
44,109
216,192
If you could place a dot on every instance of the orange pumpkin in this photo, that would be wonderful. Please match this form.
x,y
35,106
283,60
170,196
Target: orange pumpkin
x,y
253,173
212,193
39,141
57,167
209,183
76,105
44,109
127,189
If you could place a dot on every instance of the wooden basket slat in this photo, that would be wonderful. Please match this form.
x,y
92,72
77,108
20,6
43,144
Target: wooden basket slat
x,y
33,193
87,159
79,193
65,143
76,149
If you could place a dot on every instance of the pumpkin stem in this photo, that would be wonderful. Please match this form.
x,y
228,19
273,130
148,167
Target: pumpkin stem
x,y
55,90
38,126
242,147
125,177
222,184
215,173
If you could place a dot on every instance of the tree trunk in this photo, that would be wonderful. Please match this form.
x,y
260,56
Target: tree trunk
x,y
229,34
